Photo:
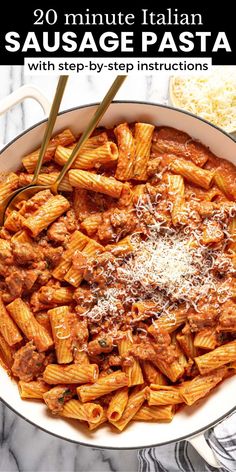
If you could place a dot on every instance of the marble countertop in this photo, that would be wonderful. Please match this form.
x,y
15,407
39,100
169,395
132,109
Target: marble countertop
x,y
81,89
23,447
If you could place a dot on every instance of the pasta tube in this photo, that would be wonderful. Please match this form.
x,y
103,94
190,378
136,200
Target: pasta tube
x,y
26,321
117,404
95,182
169,323
103,385
58,296
103,419
176,193
200,386
6,353
90,158
163,395
14,221
10,184
34,389
152,374
134,372
46,214
220,356
173,371
155,413
126,146
55,374
143,138
205,339
192,173
91,412
61,331
135,401
8,328
186,342
77,242
74,275
64,138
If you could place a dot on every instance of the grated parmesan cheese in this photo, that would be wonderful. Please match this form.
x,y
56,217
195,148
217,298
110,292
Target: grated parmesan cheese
x,y
168,266
212,97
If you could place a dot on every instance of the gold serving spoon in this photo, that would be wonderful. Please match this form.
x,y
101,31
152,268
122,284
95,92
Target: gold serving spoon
x,y
11,199
30,190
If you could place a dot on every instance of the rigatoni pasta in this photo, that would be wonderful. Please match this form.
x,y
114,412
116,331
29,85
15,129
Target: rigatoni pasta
x,y
143,139
8,328
76,243
91,412
46,214
33,390
134,371
126,146
163,395
26,321
10,184
64,138
155,413
61,330
104,385
6,354
97,183
118,295
89,158
73,374
117,404
220,356
192,173
192,390
135,401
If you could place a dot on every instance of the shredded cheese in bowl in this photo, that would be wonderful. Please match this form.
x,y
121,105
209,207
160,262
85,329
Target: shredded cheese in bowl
x,y
211,96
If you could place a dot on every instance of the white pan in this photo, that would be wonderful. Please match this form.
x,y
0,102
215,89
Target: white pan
x,y
190,423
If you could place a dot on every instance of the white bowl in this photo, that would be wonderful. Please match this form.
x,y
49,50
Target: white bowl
x,y
190,421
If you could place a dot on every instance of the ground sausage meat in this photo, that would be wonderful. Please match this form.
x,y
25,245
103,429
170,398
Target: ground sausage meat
x,y
57,232
153,352
15,282
170,140
28,363
53,255
84,297
227,319
153,166
35,202
143,351
116,224
203,319
57,397
6,253
99,267
97,346
112,361
25,253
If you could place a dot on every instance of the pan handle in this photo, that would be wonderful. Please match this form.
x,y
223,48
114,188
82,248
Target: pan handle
x,y
26,91
204,450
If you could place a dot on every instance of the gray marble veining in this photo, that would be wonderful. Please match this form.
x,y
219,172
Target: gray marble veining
x,y
25,448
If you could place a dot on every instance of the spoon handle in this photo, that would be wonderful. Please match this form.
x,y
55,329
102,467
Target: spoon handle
x,y
50,124
91,126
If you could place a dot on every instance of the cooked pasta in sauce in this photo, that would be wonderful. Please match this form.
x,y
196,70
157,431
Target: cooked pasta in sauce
x,y
118,295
